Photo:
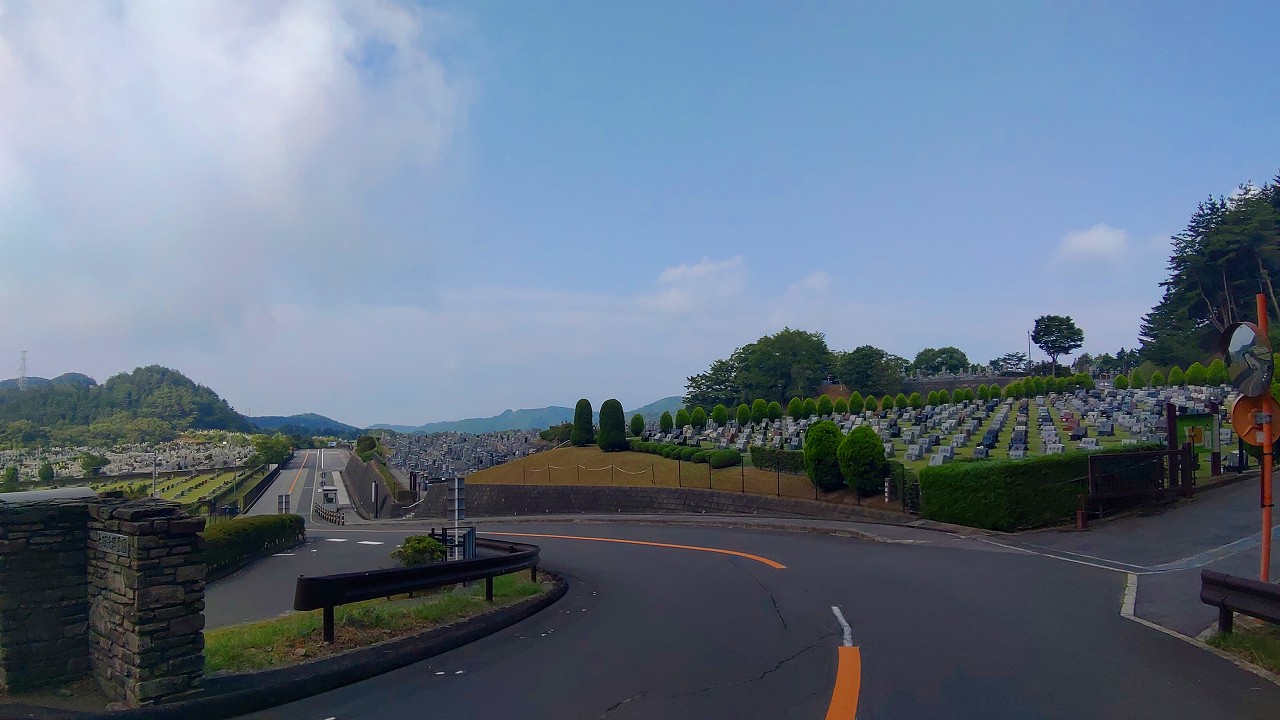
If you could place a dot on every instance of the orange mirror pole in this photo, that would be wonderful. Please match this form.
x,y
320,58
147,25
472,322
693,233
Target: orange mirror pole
x,y
1268,439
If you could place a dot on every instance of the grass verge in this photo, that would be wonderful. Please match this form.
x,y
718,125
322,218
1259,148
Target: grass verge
x,y
1259,644
297,637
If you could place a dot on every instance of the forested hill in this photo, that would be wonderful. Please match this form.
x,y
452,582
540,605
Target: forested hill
x,y
149,404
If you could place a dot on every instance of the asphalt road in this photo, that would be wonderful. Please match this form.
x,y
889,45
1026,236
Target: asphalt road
x,y
297,479
946,628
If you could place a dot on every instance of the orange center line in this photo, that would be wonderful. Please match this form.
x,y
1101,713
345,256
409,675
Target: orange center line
x,y
749,556
298,474
844,696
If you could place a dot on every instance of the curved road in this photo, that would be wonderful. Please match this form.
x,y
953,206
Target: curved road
x,y
297,480
945,627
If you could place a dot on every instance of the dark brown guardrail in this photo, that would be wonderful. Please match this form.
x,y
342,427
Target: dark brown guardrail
x,y
1232,594
326,592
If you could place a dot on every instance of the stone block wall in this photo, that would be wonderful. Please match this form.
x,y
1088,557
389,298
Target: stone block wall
x,y
146,583
44,606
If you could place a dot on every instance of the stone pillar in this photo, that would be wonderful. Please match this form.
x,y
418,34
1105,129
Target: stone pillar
x,y
44,607
146,581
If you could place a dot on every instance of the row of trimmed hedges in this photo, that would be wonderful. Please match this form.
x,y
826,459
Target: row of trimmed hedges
x,y
787,461
1008,495
716,458
234,540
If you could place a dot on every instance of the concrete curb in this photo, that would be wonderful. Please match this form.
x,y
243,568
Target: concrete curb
x,y
230,695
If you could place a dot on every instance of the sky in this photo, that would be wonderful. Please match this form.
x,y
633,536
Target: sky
x,y
391,212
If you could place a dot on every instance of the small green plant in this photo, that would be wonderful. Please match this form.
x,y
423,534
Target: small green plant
x,y
419,550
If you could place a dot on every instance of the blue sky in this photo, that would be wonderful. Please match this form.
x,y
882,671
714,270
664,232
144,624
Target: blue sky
x,y
404,212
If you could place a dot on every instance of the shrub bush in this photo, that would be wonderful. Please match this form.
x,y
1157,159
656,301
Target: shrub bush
x,y
720,415
825,406
759,410
794,407
821,442
687,453
1137,379
1121,382
698,418
234,540
419,550
665,423
900,401
871,404
862,461
915,401
1157,379
1216,374
984,392
810,407
1176,377
613,432
744,415
682,418
700,456
932,398
944,397
725,458
775,410
787,461
856,403
637,425
840,406
584,433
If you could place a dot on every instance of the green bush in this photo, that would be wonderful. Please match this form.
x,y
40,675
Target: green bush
x,y
840,406
944,397
821,441
810,407
787,461
1157,379
900,401
871,404
720,415
795,407
915,400
744,415
700,456
613,432
984,392
775,410
759,411
671,452
665,423
419,550
698,418
862,461
584,433
932,398
235,540
682,418
637,425
687,453
365,443
1216,374
1137,379
856,403
825,406
725,458
637,445
1176,377
1121,382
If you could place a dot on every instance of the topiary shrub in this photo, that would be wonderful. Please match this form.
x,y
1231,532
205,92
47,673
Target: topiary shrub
x,y
613,433
682,418
744,415
1157,379
699,457
419,550
825,406
1176,377
583,433
665,423
637,425
725,458
821,441
1216,373
915,400
944,397
810,407
984,392
1121,382
759,410
687,453
900,401
775,410
787,461
795,406
698,418
840,406
871,404
856,403
932,398
720,415
1137,379
862,461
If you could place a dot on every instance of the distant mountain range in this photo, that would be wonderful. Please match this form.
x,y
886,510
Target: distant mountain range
x,y
304,424
532,419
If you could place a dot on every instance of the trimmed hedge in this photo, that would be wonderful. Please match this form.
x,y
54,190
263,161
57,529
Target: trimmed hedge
x,y
234,540
716,458
787,461
724,458
1007,495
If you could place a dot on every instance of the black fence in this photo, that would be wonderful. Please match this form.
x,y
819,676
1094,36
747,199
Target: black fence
x,y
329,591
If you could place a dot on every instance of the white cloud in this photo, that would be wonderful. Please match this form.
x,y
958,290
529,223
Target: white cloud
x,y
1100,242
684,287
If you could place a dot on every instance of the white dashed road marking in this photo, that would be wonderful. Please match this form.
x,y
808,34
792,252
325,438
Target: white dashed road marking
x,y
335,539
368,542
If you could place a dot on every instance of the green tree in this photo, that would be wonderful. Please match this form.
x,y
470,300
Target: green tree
x,y
9,482
744,415
1137,379
886,402
795,407
683,418
637,424
825,406
984,392
274,449
915,400
900,401
775,410
584,432
419,550
1056,335
720,415
930,361
870,370
856,403
840,406
1197,374
1121,382
862,461
871,404
91,465
1216,374
45,473
1157,379
810,407
932,398
613,431
698,418
821,443
944,397
759,410
718,385
364,444
1176,377
665,423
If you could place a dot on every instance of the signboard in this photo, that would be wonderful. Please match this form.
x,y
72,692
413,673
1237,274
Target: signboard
x,y
1199,429
113,543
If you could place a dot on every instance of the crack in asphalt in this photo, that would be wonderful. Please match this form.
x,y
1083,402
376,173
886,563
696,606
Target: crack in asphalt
x,y
616,706
764,674
772,599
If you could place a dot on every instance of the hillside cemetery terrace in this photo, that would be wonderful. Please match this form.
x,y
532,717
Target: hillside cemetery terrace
x,y
454,454
1004,429
134,459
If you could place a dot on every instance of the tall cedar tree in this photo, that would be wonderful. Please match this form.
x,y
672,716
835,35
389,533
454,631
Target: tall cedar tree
x,y
613,431
584,433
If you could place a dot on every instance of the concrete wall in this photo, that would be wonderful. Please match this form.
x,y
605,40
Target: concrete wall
x,y
497,500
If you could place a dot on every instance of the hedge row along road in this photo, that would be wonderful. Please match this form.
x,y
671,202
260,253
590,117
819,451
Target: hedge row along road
x,y
790,625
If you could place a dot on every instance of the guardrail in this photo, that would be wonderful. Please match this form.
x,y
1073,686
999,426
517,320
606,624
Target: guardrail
x,y
337,517
329,591
1232,594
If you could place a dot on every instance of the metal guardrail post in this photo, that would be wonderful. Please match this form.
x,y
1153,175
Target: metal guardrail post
x,y
488,589
328,623
1225,619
